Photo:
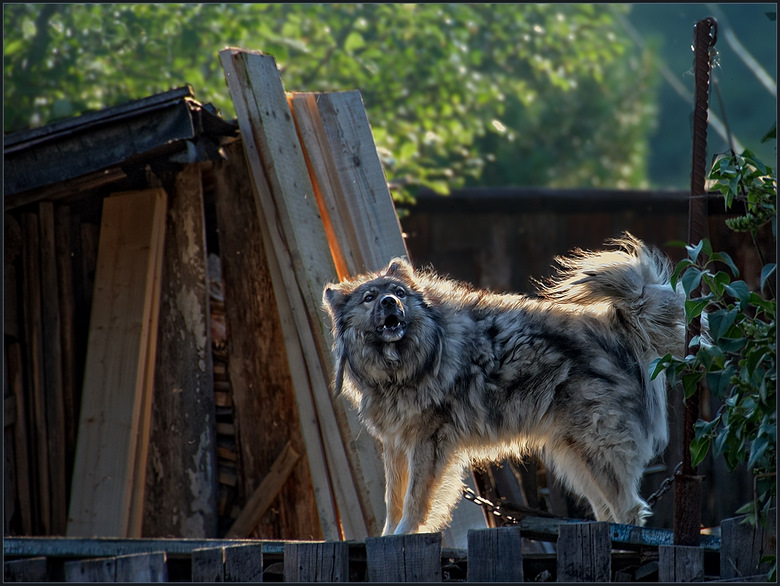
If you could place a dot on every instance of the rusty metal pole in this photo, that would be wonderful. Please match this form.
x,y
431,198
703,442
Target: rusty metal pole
x,y
687,489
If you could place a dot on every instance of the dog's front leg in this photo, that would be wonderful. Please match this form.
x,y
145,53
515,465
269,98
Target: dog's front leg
x,y
426,466
396,477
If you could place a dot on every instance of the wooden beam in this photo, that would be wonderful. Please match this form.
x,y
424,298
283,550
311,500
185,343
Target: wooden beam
x,y
259,368
14,367
65,249
107,489
53,369
181,487
34,353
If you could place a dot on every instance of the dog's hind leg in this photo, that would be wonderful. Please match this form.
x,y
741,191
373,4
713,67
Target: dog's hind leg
x,y
428,462
396,478
610,485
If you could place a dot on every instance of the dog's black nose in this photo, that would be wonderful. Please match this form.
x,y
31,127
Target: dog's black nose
x,y
389,301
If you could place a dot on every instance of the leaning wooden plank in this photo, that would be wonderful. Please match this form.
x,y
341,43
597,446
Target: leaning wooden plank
x,y
262,498
138,486
33,333
250,307
52,368
360,196
404,558
116,373
298,242
316,562
326,146
180,494
325,181
495,555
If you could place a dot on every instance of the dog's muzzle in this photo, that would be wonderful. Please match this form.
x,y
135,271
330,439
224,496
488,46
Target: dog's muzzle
x,y
390,318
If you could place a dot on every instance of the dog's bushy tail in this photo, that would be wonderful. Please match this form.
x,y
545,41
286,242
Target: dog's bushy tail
x,y
633,281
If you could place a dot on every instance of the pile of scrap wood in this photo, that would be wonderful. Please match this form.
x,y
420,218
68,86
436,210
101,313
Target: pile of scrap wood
x,y
325,213
310,154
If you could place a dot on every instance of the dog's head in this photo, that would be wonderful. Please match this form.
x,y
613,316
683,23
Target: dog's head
x,y
381,323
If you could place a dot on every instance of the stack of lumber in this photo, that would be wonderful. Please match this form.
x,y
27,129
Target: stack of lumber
x,y
325,213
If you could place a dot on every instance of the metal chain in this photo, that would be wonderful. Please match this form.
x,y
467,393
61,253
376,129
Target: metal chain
x,y
472,496
496,510
665,486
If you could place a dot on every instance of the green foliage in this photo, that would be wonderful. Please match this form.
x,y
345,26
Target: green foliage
x,y
540,93
736,355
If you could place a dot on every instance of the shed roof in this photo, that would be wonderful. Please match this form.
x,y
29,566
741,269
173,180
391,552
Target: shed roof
x,y
171,124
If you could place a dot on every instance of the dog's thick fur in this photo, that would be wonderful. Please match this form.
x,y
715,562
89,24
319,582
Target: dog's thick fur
x,y
443,373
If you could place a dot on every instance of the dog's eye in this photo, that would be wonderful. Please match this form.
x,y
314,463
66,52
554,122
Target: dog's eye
x,y
368,298
400,293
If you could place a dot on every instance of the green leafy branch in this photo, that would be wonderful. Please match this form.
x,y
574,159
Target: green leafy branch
x,y
736,352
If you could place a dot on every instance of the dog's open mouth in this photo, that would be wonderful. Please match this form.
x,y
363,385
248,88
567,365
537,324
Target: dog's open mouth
x,y
391,329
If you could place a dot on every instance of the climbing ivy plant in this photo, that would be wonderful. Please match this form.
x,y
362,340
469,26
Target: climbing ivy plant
x,y
736,353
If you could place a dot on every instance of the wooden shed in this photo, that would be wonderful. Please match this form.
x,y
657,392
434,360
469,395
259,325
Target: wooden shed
x,y
215,426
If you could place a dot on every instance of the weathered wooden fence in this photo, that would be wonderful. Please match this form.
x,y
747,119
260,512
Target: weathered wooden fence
x,y
586,552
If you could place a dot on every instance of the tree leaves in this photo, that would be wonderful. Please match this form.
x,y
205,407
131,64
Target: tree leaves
x,y
558,78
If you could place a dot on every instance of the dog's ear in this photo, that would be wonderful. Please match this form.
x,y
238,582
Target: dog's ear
x,y
334,299
399,267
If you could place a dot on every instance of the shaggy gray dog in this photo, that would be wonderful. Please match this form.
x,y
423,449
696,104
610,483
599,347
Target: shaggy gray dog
x,y
443,374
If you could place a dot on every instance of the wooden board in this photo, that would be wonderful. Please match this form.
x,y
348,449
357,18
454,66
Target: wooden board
x,y
208,564
404,558
244,563
295,235
35,378
107,491
96,570
680,563
316,562
584,552
181,489
21,451
743,546
336,136
495,555
144,567
26,570
52,369
267,415
65,249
